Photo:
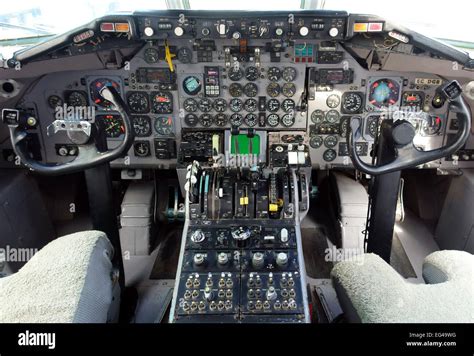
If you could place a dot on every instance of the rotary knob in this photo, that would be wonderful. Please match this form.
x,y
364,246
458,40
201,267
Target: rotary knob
x,y
304,31
271,293
199,259
282,259
198,236
258,260
222,258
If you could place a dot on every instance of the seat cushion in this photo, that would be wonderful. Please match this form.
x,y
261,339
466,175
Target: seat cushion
x,y
371,291
68,280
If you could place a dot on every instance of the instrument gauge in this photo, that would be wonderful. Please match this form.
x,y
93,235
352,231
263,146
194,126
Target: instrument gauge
x,y
164,125
138,102
317,116
205,105
332,116
54,101
76,99
333,101
288,120
185,55
274,74
351,102
431,125
151,55
383,93
329,155
252,74
95,88
220,119
273,120
113,125
236,120
273,90
250,89
191,120
192,85
250,105
141,148
235,73
330,141
162,102
236,105
141,126
288,90
190,105
316,141
413,100
205,120
289,74
251,120
220,105
273,105
288,105
235,90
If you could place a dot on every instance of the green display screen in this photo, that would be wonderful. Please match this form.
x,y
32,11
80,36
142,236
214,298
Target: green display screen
x,y
242,144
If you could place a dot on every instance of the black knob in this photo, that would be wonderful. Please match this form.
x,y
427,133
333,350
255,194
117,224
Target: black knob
x,y
403,132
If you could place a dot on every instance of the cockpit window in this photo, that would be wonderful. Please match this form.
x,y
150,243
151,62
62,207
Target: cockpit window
x,y
27,22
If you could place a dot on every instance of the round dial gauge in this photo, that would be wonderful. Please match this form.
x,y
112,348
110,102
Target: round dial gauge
x,y
273,105
235,90
332,116
141,126
273,120
250,105
373,125
220,119
289,74
288,105
317,116
141,148
431,125
288,90
138,102
164,125
113,125
205,120
343,127
288,120
333,101
95,88
76,99
192,85
250,89
330,141
205,105
251,120
236,120
329,155
274,74
191,120
185,55
251,74
351,102
383,93
54,101
412,99
236,105
220,105
273,90
151,55
316,141
190,105
235,73
162,102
